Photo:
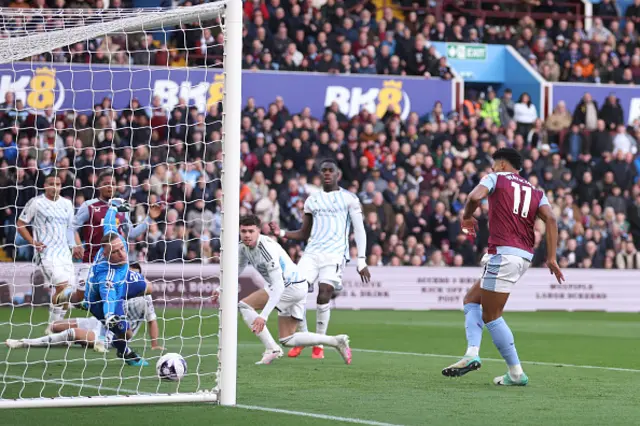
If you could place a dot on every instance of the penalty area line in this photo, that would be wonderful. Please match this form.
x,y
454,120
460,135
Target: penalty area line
x,y
315,416
542,363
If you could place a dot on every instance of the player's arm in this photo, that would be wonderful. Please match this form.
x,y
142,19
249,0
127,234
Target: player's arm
x,y
154,213
109,297
275,282
26,217
81,217
301,234
479,193
551,231
355,212
152,323
73,238
275,288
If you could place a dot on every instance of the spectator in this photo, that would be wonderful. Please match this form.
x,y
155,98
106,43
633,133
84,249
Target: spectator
x,y
525,114
611,112
629,258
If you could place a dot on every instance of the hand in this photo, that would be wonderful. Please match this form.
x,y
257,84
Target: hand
x,y
275,228
157,347
78,252
365,275
469,226
39,246
555,270
155,210
258,325
215,297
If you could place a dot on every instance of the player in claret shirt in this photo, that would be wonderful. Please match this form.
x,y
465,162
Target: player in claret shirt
x,y
514,205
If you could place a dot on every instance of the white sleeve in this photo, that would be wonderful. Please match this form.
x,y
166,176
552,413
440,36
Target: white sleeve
x,y
355,212
82,216
242,259
275,284
307,206
29,211
71,230
489,181
150,311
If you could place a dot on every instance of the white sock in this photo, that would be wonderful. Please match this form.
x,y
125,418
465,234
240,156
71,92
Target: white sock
x,y
302,327
323,313
472,351
56,313
68,335
249,315
515,371
309,339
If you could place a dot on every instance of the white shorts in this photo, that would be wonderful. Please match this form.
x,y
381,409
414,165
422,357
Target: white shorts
x,y
292,301
57,271
94,324
502,272
323,269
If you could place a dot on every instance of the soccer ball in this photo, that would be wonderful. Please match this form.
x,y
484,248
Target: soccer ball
x,y
171,367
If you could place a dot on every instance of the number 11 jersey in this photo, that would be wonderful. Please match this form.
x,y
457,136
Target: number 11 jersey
x,y
513,208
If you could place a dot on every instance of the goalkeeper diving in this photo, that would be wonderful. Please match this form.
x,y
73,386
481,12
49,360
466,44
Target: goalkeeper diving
x,y
111,283
92,333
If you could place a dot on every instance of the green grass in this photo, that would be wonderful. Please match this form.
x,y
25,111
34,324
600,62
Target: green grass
x,y
405,389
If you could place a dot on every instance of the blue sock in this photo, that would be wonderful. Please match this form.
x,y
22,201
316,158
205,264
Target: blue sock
x,y
120,345
473,325
503,339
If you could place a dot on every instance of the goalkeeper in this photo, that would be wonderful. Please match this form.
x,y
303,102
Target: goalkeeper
x,y
111,283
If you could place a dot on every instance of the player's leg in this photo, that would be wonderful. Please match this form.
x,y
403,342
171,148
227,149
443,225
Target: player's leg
x,y
330,278
474,326
502,273
60,275
309,268
291,312
51,339
120,329
247,308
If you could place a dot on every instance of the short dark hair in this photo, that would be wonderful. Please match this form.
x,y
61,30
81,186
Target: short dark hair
x,y
330,160
510,155
104,175
53,174
250,220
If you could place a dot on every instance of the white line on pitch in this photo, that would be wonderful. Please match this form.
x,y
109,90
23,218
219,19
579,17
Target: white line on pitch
x,y
550,364
316,416
245,407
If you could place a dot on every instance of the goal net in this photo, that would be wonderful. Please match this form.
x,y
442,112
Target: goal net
x,y
142,105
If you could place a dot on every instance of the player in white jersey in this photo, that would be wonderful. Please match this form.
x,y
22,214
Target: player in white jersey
x,y
286,292
327,222
51,220
91,333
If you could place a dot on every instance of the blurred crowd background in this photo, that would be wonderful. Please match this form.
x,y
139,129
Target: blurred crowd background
x,y
412,176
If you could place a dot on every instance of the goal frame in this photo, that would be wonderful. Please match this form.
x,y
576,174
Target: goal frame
x,y
225,391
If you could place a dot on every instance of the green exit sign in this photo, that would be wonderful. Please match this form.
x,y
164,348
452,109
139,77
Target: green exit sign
x,y
472,52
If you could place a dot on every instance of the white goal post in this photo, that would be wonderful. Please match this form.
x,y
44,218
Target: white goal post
x,y
71,376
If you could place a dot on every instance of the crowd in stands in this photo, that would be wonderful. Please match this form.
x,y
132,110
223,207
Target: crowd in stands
x,y
411,176
346,37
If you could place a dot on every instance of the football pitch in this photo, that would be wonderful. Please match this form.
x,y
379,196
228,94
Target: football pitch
x,y
581,368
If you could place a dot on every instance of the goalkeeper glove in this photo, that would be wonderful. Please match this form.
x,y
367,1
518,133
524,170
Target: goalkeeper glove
x,y
120,204
117,322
